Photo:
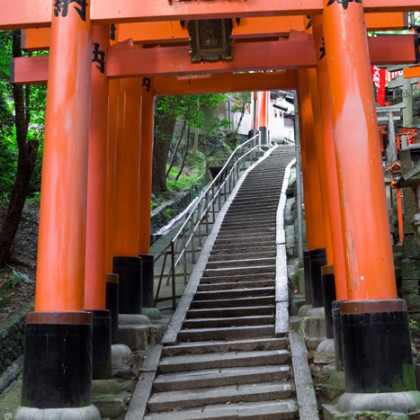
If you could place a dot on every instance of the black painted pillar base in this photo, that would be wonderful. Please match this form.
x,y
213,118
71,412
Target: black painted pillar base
x,y
129,270
377,347
147,280
307,274
338,336
317,259
101,345
112,303
57,369
328,290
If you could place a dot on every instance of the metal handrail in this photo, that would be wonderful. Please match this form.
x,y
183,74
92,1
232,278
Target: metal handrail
x,y
190,237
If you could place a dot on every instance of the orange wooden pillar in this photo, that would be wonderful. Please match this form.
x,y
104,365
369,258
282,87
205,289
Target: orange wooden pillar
x,y
96,209
322,164
315,229
125,227
57,367
330,163
112,280
146,161
263,116
377,348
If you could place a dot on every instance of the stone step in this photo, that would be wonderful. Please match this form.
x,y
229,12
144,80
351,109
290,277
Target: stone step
x,y
235,284
265,410
201,347
189,363
270,244
226,333
245,251
219,377
234,293
238,278
239,270
267,226
230,312
238,263
221,303
175,400
228,321
245,238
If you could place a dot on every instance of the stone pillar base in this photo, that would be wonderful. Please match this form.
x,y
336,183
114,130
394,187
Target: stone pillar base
x,y
83,413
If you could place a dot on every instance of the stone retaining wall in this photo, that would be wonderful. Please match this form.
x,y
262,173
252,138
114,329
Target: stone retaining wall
x,y
12,331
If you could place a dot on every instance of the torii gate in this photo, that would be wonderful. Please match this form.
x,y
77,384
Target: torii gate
x,y
61,295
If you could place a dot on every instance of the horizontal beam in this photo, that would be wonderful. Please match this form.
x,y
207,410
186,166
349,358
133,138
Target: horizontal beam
x,y
394,49
380,6
133,10
224,82
411,72
37,13
168,32
291,54
297,52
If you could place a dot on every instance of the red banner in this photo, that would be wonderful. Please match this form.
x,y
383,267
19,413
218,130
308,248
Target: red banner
x,y
379,78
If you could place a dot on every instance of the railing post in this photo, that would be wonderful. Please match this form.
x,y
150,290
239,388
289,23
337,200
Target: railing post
x,y
173,275
192,240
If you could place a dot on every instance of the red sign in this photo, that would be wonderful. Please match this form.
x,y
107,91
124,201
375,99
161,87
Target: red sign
x,y
379,76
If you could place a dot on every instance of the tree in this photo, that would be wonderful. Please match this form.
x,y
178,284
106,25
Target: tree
x,y
240,101
25,132
196,111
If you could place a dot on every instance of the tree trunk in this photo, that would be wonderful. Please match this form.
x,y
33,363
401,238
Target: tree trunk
x,y
185,155
25,165
176,148
163,136
240,121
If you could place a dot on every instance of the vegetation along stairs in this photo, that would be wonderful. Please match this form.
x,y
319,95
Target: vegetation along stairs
x,y
227,361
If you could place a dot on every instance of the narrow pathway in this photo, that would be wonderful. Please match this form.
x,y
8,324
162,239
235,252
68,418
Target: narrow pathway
x,y
227,362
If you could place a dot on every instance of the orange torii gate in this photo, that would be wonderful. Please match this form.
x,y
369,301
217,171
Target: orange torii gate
x,y
62,295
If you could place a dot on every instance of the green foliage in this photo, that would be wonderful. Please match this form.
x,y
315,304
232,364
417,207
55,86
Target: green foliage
x,y
167,213
16,277
8,144
196,110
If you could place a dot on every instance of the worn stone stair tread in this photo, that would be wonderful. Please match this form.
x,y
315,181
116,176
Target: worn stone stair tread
x,y
243,255
228,321
244,247
187,363
262,410
244,250
205,287
237,278
236,262
242,301
220,346
219,377
214,294
239,270
228,311
170,400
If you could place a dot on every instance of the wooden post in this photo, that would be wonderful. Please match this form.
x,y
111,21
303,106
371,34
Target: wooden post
x,y
57,367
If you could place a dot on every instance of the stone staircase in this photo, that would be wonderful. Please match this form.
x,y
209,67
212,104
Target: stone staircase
x,y
227,362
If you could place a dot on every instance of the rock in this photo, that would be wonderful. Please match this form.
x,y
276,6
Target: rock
x,y
325,353
152,313
120,354
133,319
105,386
335,386
327,370
134,336
112,406
290,211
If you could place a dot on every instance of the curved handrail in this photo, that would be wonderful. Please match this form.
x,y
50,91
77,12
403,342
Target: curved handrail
x,y
203,213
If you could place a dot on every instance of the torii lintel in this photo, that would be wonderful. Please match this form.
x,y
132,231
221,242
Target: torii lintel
x,y
37,13
298,52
